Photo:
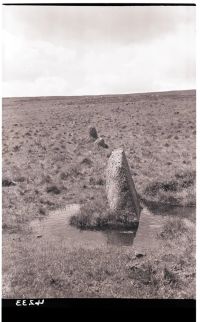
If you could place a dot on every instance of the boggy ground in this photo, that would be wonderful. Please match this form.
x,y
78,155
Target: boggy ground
x,y
50,161
36,268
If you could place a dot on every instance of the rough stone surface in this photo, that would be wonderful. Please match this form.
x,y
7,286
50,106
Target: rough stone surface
x,y
101,142
93,132
120,188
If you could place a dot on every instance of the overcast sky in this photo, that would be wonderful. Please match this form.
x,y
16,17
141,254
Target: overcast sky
x,y
97,50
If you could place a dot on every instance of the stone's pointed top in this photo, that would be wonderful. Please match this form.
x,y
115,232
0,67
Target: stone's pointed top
x,y
121,192
118,154
119,151
117,161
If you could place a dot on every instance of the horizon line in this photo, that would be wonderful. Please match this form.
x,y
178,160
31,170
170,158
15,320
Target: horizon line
x,y
113,94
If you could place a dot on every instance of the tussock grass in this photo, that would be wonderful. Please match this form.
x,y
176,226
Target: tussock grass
x,y
177,191
77,168
97,216
173,228
53,189
6,182
52,270
57,152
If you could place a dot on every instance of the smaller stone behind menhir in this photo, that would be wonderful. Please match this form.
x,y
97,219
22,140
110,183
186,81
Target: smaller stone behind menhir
x,y
93,132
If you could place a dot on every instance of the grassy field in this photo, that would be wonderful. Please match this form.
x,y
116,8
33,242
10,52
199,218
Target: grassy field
x,y
50,161
50,270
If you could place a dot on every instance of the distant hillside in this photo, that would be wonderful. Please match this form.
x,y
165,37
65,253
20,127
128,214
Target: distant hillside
x,y
92,99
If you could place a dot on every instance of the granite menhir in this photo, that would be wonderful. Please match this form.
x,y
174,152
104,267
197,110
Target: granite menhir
x,y
121,193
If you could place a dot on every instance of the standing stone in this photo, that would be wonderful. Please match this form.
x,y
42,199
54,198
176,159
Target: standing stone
x,y
93,132
101,142
121,193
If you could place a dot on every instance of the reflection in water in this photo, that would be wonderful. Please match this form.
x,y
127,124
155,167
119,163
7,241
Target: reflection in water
x,y
168,210
56,229
120,238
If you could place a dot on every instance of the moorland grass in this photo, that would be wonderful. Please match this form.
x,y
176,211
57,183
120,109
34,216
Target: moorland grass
x,y
179,191
52,270
57,163
176,191
49,161
97,216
